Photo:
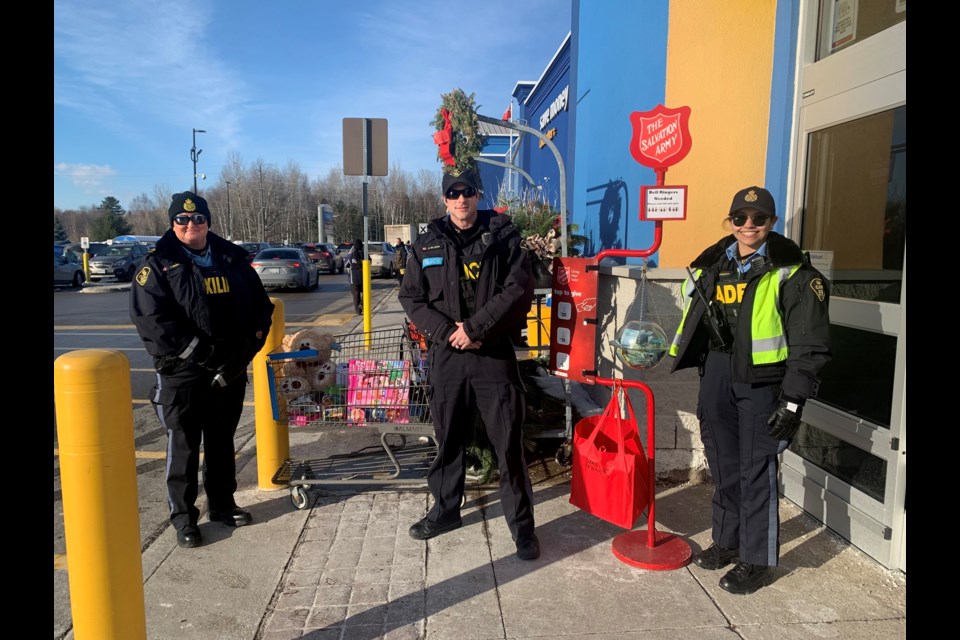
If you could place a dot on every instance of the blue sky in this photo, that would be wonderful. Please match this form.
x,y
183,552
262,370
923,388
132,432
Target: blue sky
x,y
271,81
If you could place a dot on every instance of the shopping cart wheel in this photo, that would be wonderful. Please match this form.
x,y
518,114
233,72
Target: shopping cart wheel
x,y
564,454
298,496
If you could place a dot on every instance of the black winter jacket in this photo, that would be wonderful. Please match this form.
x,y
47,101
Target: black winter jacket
x,y
804,303
168,301
430,291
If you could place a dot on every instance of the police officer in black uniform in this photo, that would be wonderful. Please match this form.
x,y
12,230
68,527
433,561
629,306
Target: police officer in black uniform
x,y
202,314
467,287
755,322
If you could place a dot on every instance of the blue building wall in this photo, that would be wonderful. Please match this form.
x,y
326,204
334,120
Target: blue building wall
x,y
548,109
626,73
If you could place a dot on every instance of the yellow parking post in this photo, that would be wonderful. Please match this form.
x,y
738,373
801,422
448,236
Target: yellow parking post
x,y
98,476
273,437
367,302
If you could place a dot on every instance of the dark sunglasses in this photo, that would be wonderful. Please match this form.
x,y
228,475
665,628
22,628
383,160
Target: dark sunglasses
x,y
454,194
183,219
740,219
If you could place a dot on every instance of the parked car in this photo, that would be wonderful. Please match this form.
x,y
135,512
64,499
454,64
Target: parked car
x,y
286,267
67,272
120,261
325,255
380,255
344,248
253,248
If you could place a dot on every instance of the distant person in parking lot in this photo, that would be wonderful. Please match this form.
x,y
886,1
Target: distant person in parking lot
x,y
202,314
400,258
356,274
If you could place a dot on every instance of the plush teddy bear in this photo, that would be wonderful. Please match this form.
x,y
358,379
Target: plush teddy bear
x,y
309,339
324,376
292,387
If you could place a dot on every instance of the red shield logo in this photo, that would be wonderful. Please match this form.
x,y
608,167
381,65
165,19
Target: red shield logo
x,y
661,137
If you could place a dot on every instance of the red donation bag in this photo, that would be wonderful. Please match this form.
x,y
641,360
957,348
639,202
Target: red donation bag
x,y
610,472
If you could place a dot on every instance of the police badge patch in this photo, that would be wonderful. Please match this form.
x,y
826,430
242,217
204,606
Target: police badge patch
x,y
142,276
817,285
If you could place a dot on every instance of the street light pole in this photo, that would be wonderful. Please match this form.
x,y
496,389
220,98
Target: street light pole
x,y
229,218
194,154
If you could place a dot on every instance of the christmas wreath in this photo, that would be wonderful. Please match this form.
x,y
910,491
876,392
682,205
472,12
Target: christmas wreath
x,y
458,136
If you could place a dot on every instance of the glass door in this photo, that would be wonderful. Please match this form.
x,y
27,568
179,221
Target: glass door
x,y
847,465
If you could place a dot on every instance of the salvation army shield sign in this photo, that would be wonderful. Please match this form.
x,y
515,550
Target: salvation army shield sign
x,y
661,137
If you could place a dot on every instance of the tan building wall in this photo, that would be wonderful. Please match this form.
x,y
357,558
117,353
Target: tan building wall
x,y
719,63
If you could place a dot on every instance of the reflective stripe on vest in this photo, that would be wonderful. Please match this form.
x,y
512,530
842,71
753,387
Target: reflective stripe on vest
x,y
688,295
769,343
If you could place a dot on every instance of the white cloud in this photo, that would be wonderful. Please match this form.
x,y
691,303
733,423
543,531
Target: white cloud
x,y
86,176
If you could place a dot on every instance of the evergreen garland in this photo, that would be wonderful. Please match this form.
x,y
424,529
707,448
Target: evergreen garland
x,y
467,141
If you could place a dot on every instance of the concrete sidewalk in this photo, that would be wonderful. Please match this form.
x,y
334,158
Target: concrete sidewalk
x,y
345,568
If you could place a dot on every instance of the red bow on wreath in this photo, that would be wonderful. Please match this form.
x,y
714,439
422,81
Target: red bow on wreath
x,y
444,139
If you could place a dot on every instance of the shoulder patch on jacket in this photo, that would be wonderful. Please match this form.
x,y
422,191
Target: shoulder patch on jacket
x,y
142,276
817,285
433,261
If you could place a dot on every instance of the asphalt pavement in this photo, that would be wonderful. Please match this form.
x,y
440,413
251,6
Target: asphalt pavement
x,y
345,567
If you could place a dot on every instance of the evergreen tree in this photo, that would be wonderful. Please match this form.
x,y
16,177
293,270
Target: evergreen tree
x,y
110,223
59,233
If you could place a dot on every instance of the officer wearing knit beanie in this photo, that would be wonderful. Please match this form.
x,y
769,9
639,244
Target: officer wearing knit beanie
x,y
188,202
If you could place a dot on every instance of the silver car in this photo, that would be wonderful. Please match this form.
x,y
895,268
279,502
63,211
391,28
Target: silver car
x,y
67,272
286,267
381,255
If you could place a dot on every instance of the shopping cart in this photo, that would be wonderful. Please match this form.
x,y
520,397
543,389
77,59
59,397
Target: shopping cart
x,y
376,380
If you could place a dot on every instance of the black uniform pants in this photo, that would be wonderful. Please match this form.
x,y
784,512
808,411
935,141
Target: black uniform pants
x,y
462,382
191,415
743,461
357,291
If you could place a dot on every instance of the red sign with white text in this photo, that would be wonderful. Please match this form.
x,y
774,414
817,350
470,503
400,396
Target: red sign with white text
x,y
573,316
661,137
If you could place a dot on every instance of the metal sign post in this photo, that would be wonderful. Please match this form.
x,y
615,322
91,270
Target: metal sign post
x,y
365,154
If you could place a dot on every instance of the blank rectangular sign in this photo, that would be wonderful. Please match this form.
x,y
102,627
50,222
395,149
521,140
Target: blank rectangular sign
x,y
364,146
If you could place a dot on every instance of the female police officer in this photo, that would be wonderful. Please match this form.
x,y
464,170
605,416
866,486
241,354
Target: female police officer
x,y
203,314
755,323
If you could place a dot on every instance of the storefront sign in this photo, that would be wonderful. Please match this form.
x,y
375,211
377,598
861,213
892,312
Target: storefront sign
x,y
661,137
573,328
559,104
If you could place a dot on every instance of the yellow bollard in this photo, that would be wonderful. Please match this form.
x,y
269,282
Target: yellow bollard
x,y
98,474
367,302
86,265
273,438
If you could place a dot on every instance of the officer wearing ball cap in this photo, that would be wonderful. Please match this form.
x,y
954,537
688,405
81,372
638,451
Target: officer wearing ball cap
x,y
467,286
202,313
758,330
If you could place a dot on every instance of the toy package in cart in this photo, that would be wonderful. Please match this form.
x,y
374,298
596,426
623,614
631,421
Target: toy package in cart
x,y
378,391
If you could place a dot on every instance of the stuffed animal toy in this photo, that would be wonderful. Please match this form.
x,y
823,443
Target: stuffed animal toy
x,y
292,387
309,339
324,376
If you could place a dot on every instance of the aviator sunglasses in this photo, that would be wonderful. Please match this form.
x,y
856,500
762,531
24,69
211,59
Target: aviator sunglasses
x,y
454,194
740,219
183,219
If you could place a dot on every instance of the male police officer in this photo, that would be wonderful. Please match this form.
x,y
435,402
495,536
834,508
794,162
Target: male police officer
x,y
468,285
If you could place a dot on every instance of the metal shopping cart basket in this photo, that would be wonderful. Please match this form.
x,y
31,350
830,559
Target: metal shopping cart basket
x,y
372,380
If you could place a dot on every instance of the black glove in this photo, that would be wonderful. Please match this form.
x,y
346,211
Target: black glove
x,y
785,421
231,369
200,353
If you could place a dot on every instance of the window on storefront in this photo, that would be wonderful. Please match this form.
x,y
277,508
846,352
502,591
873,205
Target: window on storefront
x,y
856,201
846,22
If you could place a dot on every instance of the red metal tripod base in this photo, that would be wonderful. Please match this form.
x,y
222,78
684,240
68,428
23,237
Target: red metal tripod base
x,y
668,552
